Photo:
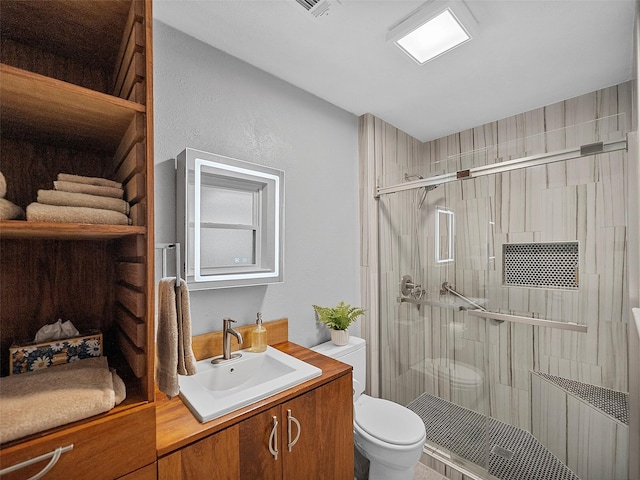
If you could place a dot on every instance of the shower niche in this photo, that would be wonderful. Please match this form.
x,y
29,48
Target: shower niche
x,y
229,220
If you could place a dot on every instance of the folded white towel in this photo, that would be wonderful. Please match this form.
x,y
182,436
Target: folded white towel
x,y
39,212
10,211
70,199
35,401
104,182
173,345
90,189
3,186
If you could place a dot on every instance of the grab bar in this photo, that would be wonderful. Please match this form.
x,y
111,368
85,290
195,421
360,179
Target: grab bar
x,y
503,317
447,288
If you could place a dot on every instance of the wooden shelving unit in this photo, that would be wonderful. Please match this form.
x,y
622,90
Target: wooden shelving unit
x,y
76,97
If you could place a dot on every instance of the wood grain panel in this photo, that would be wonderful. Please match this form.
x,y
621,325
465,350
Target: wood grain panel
x,y
135,189
134,44
134,328
132,273
135,74
130,248
216,456
135,133
134,17
132,300
50,109
210,344
138,213
150,472
108,446
133,163
253,447
136,357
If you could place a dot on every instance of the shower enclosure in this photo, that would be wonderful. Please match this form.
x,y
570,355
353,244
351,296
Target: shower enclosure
x,y
502,297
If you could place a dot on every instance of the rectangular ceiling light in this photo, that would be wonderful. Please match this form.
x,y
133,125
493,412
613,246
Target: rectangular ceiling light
x,y
434,37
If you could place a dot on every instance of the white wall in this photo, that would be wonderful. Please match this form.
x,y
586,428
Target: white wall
x,y
208,100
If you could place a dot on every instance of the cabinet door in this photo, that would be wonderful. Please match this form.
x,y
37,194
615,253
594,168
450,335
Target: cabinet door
x,y
213,457
256,434
324,446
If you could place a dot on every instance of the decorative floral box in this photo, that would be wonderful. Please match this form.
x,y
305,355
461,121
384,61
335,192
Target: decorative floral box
x,y
31,357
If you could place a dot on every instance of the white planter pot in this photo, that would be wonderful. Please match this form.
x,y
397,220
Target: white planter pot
x,y
340,337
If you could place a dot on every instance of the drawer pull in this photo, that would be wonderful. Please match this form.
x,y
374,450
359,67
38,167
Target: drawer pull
x,y
291,418
54,455
273,439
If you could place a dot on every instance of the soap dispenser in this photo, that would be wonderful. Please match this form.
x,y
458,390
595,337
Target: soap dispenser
x,y
259,336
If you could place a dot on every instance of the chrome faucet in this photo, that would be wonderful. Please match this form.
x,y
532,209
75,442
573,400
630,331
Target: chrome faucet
x,y
227,331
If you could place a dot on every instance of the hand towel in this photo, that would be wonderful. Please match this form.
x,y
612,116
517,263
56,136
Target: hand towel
x,y
38,212
102,182
10,211
69,199
90,189
3,186
35,401
173,341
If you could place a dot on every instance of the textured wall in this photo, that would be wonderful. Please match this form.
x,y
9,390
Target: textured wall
x,y
208,100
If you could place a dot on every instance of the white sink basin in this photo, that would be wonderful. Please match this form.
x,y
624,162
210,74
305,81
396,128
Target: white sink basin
x,y
219,389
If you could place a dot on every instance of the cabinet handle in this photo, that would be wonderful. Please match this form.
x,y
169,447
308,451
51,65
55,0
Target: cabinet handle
x,y
273,439
291,418
55,456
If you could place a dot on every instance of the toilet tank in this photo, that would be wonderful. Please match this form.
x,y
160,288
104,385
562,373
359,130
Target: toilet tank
x,y
353,353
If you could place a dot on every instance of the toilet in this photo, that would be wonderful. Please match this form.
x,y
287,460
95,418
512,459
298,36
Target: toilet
x,y
389,435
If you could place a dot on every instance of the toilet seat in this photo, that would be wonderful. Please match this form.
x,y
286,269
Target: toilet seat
x,y
388,422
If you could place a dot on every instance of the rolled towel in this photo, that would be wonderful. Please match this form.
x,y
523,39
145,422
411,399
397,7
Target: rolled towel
x,y
98,181
90,189
38,212
10,211
3,186
69,199
76,391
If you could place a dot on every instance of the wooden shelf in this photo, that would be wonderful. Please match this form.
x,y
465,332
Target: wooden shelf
x,y
38,107
13,229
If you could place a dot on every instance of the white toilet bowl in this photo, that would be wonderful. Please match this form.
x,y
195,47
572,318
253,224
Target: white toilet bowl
x,y
389,435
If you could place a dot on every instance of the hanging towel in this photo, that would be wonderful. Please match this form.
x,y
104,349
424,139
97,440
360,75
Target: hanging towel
x,y
103,182
69,199
39,212
174,353
90,189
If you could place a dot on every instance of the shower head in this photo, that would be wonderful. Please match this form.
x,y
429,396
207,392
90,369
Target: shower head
x,y
426,189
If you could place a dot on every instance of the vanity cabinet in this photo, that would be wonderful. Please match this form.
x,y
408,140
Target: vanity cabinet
x,y
318,444
76,97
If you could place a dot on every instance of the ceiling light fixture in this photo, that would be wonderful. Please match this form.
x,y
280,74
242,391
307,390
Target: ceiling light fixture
x,y
430,32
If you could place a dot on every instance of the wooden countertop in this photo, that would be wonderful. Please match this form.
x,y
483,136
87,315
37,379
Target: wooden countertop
x,y
176,427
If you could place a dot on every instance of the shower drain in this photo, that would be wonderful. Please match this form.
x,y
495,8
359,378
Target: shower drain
x,y
502,452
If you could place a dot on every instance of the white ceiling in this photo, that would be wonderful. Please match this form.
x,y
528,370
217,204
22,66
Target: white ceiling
x,y
525,54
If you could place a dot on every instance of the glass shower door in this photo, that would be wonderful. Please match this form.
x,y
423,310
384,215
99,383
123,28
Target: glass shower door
x,y
434,357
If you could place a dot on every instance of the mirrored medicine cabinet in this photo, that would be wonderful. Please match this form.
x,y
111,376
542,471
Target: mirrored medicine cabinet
x,y
230,221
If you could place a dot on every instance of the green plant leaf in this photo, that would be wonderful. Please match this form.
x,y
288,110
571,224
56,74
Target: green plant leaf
x,y
338,317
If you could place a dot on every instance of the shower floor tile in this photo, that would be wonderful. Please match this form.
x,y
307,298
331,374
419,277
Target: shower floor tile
x,y
514,454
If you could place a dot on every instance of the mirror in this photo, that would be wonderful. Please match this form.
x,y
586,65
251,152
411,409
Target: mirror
x,y
229,221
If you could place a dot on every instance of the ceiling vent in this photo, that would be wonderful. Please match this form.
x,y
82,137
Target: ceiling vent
x,y
319,8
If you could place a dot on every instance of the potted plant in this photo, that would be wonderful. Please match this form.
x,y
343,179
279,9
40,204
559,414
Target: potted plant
x,y
338,319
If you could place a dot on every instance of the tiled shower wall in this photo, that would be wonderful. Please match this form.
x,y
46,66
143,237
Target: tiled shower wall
x,y
582,200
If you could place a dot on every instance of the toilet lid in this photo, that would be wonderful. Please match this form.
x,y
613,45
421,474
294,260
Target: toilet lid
x,y
389,422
